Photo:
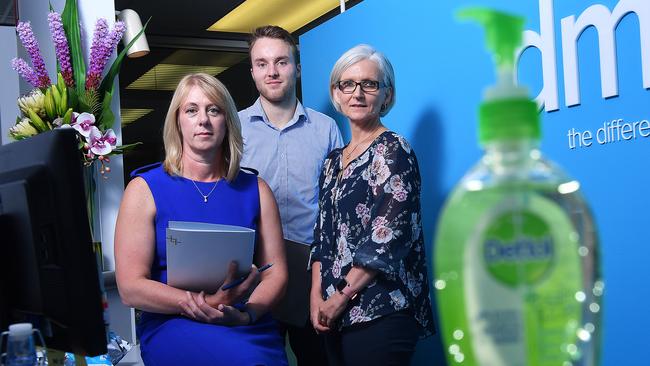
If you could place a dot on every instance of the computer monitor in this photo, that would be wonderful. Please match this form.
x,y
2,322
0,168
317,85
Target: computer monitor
x,y
48,270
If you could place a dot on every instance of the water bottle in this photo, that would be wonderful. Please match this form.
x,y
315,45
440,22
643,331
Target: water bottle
x,y
21,350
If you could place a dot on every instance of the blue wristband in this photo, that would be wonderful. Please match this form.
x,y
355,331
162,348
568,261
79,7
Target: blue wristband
x,y
251,314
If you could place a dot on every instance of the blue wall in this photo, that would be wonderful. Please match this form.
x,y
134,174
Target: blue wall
x,y
442,66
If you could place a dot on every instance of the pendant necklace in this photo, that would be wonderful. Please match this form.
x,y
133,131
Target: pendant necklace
x,y
347,156
205,196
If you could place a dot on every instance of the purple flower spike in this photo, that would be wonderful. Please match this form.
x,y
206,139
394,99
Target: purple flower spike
x,y
25,71
30,43
61,47
97,55
114,37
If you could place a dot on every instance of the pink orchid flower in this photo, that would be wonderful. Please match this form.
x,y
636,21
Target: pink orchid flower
x,y
83,123
102,145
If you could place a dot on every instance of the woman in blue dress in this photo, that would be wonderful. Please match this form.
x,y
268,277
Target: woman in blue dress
x,y
200,180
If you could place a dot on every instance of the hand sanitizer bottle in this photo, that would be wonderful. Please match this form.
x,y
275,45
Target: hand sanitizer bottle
x,y
517,275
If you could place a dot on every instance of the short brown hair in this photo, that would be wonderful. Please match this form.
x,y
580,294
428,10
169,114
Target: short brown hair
x,y
273,31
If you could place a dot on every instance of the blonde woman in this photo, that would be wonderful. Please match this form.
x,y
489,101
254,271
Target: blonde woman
x,y
200,180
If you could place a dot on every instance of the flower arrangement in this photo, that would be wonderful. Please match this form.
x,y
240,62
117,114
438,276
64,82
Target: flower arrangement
x,y
80,98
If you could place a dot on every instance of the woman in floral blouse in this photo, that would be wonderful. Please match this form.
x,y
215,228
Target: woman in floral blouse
x,y
370,292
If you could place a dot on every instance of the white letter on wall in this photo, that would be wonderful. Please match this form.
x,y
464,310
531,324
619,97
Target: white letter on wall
x,y
605,23
544,41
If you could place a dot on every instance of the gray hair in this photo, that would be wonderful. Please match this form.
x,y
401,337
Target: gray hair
x,y
359,53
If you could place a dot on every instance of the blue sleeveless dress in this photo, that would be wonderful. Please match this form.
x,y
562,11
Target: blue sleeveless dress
x,y
176,340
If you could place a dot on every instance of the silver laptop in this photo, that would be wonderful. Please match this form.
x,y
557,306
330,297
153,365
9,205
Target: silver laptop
x,y
198,254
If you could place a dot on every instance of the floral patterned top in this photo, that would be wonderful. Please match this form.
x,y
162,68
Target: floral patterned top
x,y
369,216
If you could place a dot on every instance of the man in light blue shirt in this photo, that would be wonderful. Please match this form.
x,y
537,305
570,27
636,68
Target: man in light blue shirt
x,y
287,144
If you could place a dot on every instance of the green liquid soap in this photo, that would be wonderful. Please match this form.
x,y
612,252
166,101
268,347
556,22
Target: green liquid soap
x,y
517,275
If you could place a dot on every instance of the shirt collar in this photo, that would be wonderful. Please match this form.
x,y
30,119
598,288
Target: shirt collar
x,y
257,114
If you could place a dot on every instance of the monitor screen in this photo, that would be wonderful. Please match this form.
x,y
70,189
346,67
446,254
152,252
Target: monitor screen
x,y
48,270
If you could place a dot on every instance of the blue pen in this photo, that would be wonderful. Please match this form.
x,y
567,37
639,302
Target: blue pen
x,y
243,278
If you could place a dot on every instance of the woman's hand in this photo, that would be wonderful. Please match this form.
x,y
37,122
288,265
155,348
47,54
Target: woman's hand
x,y
330,310
237,293
315,303
195,307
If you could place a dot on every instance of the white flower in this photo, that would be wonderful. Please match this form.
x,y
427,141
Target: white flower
x,y
357,315
348,171
396,183
83,123
379,221
380,149
365,174
35,101
405,145
329,290
365,220
341,244
398,299
400,196
346,257
343,229
382,234
22,129
101,144
383,174
336,269
362,210
377,162
328,174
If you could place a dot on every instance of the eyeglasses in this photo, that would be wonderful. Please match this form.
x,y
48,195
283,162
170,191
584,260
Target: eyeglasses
x,y
368,86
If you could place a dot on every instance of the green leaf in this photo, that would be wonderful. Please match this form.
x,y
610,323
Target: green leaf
x,y
70,18
67,117
107,117
107,83
122,148
36,121
73,99
60,83
88,101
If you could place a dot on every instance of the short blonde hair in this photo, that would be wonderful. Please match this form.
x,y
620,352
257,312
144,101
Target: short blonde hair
x,y
172,135
359,53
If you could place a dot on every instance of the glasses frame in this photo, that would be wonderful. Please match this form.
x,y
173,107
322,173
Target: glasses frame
x,y
359,85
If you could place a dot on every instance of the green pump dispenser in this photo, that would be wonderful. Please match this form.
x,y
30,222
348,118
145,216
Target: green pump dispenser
x,y
516,265
507,112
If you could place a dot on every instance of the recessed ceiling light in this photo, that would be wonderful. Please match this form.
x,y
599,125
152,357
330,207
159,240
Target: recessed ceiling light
x,y
130,115
288,14
167,76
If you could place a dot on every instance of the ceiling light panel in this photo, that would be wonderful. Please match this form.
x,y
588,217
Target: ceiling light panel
x,y
167,76
130,115
288,14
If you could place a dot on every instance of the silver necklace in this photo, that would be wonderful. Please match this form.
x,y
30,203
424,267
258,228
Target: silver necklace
x,y
347,156
205,196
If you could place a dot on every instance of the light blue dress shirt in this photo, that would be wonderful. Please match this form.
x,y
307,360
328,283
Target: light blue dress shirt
x,y
290,160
